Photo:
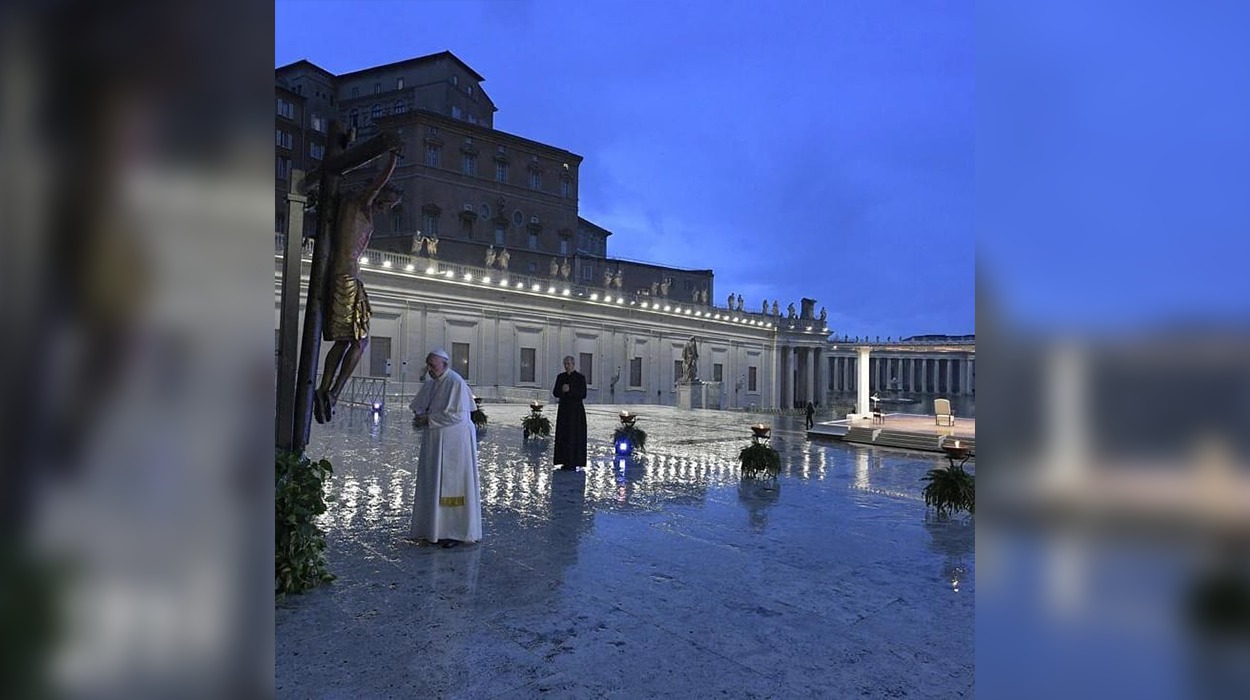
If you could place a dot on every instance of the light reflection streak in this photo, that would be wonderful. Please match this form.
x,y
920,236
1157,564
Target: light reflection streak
x,y
375,500
347,501
399,488
524,482
861,470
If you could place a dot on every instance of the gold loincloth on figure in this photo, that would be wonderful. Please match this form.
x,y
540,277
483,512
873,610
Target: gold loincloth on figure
x,y
347,310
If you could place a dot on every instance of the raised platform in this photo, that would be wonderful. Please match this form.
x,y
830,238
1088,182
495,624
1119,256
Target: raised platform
x,y
906,431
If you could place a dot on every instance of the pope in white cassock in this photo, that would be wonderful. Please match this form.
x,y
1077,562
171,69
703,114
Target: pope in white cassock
x,y
448,505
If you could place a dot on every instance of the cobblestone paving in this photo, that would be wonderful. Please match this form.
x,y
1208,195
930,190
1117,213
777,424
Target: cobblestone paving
x,y
661,576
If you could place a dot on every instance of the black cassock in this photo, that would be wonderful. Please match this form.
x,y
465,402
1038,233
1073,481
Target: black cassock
x,y
570,449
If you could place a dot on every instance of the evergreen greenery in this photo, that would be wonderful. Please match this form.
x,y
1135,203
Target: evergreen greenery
x,y
636,436
950,489
758,459
536,424
299,497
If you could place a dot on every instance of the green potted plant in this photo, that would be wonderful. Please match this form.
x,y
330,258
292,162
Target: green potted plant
x,y
759,459
629,435
300,546
536,423
951,489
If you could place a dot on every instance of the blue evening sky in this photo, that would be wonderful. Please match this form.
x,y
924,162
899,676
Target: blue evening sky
x,y
799,149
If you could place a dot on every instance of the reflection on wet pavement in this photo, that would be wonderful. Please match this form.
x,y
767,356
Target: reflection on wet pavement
x,y
658,575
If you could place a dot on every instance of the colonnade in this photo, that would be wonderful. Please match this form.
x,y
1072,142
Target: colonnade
x,y
803,375
913,373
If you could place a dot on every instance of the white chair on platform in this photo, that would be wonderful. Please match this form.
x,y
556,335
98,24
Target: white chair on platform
x,y
942,412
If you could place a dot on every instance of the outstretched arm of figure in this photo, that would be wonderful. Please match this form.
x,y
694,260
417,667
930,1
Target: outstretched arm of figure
x,y
380,181
355,157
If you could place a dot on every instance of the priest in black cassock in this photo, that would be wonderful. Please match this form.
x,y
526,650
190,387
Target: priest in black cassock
x,y
570,391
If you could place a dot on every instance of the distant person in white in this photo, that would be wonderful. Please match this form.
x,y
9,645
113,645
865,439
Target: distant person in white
x,y
447,507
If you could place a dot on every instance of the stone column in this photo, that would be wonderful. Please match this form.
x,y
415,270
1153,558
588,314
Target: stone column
x,y
812,372
805,375
795,375
861,404
788,379
822,375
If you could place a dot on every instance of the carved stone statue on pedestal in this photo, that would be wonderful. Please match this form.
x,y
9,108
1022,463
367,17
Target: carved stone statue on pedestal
x,y
690,362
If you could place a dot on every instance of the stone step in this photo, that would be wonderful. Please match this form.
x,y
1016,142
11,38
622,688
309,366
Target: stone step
x,y
926,442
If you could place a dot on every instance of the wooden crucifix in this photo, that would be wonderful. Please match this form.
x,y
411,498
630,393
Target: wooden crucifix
x,y
337,307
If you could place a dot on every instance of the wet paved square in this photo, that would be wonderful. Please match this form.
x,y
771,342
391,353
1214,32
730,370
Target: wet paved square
x,y
663,576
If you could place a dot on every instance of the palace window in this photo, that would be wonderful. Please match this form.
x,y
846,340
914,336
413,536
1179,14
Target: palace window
x,y
430,228
528,364
460,359
635,373
586,363
752,384
379,356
